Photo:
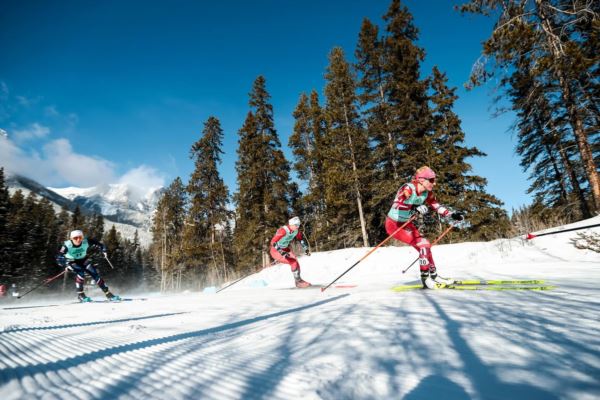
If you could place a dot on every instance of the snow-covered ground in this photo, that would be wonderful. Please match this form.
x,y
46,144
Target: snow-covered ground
x,y
260,339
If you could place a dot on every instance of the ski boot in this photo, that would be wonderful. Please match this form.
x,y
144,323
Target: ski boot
x,y
83,298
438,279
428,282
111,297
442,281
300,283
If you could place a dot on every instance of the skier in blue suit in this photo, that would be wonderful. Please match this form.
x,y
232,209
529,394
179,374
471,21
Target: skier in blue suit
x,y
73,255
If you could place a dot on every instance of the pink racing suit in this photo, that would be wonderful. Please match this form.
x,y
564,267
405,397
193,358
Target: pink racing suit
x,y
281,243
402,209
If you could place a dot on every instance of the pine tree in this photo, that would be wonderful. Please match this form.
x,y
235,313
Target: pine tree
x,y
49,237
209,197
112,241
96,226
307,146
406,92
558,36
374,86
394,105
64,222
456,187
263,197
346,155
138,261
546,147
4,209
77,219
167,228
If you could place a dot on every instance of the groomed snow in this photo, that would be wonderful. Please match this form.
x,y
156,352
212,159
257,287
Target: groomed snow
x,y
260,339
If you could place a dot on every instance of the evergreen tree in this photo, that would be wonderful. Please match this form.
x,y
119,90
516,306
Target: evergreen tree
x,y
406,92
374,85
306,143
558,36
96,226
21,228
263,197
167,228
346,155
77,219
209,197
138,261
4,210
64,222
546,147
394,105
49,237
456,187
116,253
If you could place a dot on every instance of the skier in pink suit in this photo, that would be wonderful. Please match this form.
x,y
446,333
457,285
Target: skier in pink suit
x,y
417,196
281,251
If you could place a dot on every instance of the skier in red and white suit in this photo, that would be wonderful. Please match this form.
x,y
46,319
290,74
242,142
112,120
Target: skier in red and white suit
x,y
417,196
281,251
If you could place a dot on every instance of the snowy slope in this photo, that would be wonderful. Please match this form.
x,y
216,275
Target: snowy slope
x,y
273,342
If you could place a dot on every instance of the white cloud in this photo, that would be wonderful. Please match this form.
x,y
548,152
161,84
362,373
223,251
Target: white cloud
x,y
59,165
35,131
78,169
56,165
143,180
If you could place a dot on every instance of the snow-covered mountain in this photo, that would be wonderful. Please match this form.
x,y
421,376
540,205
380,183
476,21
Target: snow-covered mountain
x,y
118,202
127,207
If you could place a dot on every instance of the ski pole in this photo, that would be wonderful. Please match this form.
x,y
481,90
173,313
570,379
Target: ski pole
x,y
530,236
109,263
243,277
42,284
233,283
434,242
371,251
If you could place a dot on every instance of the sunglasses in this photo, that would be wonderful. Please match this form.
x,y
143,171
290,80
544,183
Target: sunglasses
x,y
431,180
77,238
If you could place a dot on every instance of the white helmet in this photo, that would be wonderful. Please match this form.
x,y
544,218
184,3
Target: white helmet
x,y
294,221
76,233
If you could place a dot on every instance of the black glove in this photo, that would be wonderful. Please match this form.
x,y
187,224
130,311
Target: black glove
x,y
457,216
61,261
305,247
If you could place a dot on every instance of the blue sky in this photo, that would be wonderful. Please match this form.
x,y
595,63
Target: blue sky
x,y
107,91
